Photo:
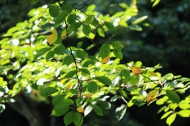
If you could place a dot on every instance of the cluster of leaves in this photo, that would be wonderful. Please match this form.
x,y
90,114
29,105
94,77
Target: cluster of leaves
x,y
37,58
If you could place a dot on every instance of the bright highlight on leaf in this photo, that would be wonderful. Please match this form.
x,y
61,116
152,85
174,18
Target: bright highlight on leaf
x,y
88,95
53,37
80,109
136,70
152,95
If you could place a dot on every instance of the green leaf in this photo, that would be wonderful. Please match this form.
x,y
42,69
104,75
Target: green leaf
x,y
92,87
87,110
105,105
89,19
114,98
77,119
74,91
170,119
166,114
104,51
109,26
68,60
173,96
139,20
49,55
2,108
184,113
118,54
86,29
68,118
85,71
67,7
61,17
184,104
81,54
101,32
48,91
54,10
60,109
41,52
60,49
104,80
79,44
135,27
120,111
134,79
72,18
57,99
71,74
97,110
88,62
155,2
161,109
125,75
116,45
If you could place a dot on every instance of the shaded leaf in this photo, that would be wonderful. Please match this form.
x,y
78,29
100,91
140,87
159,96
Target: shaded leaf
x,y
104,80
68,118
68,60
173,96
48,91
54,10
60,109
97,110
104,51
49,55
92,87
109,26
86,29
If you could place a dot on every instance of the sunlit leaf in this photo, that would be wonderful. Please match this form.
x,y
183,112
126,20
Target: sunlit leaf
x,y
80,109
120,111
136,70
170,119
152,95
87,110
105,60
52,38
184,113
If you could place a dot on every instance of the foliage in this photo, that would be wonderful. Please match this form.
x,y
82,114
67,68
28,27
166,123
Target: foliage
x,y
38,55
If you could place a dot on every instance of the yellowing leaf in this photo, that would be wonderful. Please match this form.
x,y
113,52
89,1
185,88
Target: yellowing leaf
x,y
152,95
88,95
63,80
64,34
53,37
105,60
136,70
80,109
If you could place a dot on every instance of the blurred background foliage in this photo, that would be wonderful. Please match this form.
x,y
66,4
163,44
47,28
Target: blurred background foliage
x,y
165,39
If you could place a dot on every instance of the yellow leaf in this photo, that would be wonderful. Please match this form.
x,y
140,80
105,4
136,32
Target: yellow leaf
x,y
136,70
53,37
63,80
88,95
64,34
105,60
152,95
80,109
